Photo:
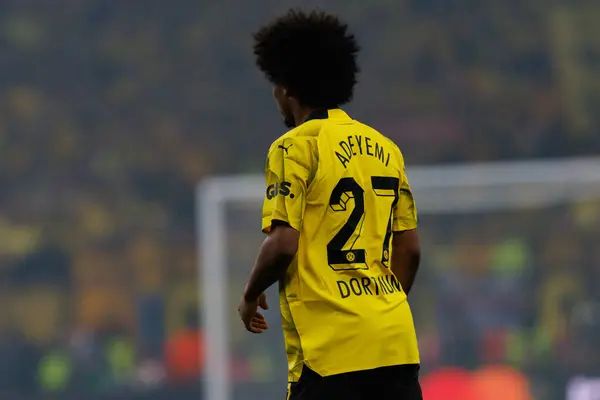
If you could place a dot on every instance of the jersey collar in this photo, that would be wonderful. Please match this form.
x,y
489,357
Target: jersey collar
x,y
334,113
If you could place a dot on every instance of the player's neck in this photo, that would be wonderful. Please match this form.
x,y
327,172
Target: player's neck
x,y
301,114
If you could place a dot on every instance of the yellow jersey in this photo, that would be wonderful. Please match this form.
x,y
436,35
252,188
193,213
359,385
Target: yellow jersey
x,y
342,185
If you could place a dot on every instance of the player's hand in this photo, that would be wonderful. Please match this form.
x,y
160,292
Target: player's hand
x,y
253,320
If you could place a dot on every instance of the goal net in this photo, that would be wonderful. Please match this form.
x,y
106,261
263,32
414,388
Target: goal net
x,y
495,237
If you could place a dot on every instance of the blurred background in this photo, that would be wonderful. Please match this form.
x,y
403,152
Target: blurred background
x,y
112,111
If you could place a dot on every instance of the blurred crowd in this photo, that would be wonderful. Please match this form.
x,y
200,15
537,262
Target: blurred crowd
x,y
513,288
112,112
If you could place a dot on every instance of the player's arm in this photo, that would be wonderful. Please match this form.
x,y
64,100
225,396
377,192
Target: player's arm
x,y
287,180
274,257
406,255
406,250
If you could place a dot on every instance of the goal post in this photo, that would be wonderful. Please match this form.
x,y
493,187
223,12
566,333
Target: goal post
x,y
211,196
438,189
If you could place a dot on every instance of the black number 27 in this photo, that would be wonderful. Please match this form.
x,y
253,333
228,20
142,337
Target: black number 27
x,y
346,189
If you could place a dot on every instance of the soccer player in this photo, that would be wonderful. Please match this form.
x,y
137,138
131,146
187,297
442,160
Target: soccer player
x,y
341,225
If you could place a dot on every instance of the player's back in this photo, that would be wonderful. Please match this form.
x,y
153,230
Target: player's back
x,y
343,308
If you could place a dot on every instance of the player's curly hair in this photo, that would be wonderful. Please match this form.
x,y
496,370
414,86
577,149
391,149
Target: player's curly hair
x,y
312,55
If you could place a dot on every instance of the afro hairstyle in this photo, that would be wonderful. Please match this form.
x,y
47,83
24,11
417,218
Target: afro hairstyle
x,y
312,55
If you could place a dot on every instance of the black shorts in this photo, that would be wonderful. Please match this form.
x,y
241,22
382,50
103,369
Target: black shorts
x,y
400,382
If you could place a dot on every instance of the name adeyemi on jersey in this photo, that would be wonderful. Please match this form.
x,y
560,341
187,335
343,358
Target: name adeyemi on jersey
x,y
361,145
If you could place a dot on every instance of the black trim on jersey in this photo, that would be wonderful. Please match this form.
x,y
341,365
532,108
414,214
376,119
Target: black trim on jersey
x,y
318,114
278,222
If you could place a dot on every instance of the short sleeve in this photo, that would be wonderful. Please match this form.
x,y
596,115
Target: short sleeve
x,y
405,213
288,170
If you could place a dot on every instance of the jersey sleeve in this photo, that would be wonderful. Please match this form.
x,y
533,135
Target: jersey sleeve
x,y
405,213
288,170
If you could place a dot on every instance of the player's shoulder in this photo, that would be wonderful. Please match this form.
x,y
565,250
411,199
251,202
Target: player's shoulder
x,y
301,137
